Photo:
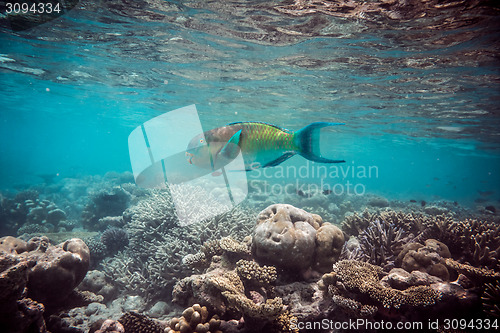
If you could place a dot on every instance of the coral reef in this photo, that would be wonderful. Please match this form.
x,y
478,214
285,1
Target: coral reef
x,y
291,238
152,263
381,242
477,241
57,269
244,291
491,299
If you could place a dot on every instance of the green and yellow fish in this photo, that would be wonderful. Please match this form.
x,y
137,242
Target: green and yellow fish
x,y
262,145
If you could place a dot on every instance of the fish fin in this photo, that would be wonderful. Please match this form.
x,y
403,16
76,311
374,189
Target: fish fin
x,y
307,139
231,148
279,160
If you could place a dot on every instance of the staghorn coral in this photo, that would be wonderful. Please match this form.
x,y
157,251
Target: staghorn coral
x,y
194,319
361,277
381,242
491,299
137,323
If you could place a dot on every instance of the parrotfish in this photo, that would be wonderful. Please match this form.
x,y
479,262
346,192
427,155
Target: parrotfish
x,y
262,145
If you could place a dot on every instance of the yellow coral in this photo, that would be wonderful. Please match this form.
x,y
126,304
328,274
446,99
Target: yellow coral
x,y
194,320
251,271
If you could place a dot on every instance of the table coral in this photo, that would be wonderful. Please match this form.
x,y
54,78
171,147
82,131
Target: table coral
x,y
363,278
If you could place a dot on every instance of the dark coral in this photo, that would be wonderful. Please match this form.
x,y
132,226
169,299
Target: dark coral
x,y
491,299
364,279
134,322
115,239
381,242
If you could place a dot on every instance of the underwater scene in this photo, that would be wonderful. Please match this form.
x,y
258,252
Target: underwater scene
x,y
249,166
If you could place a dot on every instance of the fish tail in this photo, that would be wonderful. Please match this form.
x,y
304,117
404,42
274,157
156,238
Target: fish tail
x,y
307,139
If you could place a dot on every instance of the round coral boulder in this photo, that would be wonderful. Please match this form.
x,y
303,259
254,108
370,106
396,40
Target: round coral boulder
x,y
58,270
285,236
329,242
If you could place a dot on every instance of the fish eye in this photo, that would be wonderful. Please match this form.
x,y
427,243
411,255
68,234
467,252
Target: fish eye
x,y
201,140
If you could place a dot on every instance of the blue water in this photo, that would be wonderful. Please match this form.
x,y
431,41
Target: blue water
x,y
420,104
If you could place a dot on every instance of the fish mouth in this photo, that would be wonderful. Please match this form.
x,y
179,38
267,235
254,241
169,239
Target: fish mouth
x,y
189,157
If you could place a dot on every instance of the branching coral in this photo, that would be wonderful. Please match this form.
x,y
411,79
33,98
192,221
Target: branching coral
x,y
136,323
244,291
114,239
491,299
479,241
153,261
381,242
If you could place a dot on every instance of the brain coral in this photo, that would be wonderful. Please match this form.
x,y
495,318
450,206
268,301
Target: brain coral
x,y
292,238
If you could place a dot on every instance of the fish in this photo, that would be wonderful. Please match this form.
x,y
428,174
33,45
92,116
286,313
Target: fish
x,y
261,144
